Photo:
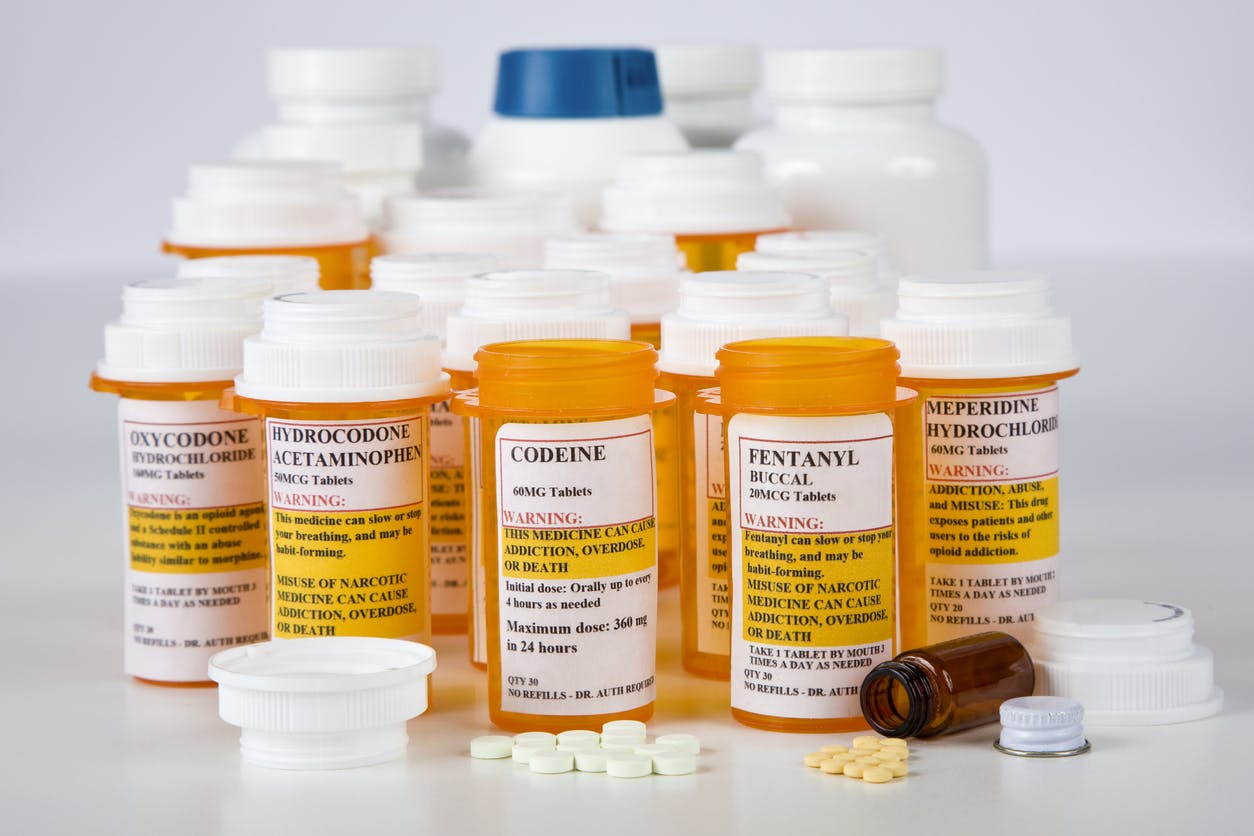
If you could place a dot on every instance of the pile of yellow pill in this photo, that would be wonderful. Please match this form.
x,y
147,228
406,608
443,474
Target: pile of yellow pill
x,y
875,760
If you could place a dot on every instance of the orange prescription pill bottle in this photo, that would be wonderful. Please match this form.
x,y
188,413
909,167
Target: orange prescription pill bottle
x,y
810,441
517,305
644,270
569,530
715,202
714,309
985,353
193,481
343,383
439,281
276,208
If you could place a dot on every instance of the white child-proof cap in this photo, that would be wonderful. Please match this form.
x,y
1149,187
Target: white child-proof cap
x,y
182,330
513,224
853,76
855,293
342,346
438,279
821,242
287,273
1042,727
723,306
322,703
266,204
978,324
1129,662
532,305
698,192
644,268
351,72
690,70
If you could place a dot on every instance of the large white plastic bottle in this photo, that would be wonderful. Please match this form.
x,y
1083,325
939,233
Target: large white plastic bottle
x,y
855,144
565,118
367,108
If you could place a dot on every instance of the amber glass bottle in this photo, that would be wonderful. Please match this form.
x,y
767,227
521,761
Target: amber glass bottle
x,y
946,687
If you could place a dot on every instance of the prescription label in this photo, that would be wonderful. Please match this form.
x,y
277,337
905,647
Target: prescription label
x,y
811,521
713,603
193,487
990,467
450,512
577,591
348,527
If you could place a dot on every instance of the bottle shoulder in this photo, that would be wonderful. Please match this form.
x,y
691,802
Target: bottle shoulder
x,y
929,140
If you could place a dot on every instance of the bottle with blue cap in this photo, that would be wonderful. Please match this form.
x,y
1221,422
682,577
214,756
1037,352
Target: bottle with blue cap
x,y
565,117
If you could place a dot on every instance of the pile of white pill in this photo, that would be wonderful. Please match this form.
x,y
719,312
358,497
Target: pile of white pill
x,y
620,750
876,760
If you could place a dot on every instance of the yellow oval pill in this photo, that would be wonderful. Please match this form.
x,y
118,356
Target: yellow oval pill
x,y
886,755
898,768
877,775
866,740
815,758
833,766
893,742
834,749
854,769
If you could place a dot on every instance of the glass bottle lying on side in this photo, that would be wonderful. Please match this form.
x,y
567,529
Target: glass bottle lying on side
x,y
946,687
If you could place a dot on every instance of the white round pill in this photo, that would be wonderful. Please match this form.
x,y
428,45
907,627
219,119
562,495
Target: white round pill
x,y
651,749
634,729
674,763
618,743
522,753
628,766
532,738
579,736
551,763
577,746
591,760
687,743
491,747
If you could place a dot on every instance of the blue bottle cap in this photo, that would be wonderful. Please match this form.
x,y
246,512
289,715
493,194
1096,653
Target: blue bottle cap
x,y
577,83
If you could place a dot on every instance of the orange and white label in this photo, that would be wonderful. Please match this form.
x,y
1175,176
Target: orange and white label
x,y
577,591
193,489
713,602
450,513
811,521
348,527
990,465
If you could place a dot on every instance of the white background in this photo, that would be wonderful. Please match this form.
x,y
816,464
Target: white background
x,y
1111,126
1119,135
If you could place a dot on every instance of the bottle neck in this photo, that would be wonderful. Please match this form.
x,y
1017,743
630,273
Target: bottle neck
x,y
828,117
898,698
373,110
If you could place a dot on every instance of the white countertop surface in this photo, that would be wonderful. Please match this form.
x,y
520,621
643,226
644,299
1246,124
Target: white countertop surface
x,y
1158,454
